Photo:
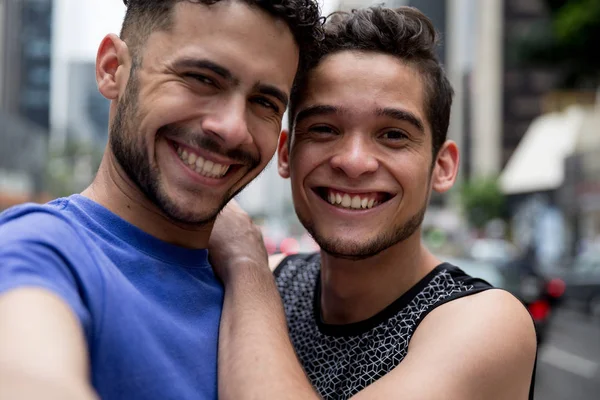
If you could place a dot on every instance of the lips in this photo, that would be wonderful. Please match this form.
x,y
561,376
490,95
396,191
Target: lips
x,y
354,201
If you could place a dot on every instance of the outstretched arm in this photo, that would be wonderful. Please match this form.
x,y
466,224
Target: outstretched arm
x,y
256,357
42,348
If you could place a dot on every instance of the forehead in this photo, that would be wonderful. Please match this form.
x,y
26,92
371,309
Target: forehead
x,y
231,33
364,82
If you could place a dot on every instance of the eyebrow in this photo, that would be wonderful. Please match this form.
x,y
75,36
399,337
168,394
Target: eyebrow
x,y
315,110
207,64
270,90
402,115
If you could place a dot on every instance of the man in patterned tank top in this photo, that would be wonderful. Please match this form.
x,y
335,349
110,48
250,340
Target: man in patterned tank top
x,y
374,314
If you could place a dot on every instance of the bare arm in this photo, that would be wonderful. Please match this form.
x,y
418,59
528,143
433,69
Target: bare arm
x,y
42,348
479,347
256,357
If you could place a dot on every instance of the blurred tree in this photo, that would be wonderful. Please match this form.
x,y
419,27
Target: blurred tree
x,y
71,169
568,41
482,201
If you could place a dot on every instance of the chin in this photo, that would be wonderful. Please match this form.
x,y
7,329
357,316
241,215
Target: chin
x,y
196,211
341,247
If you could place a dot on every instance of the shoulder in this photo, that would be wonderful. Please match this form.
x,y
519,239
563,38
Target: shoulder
x,y
36,221
492,317
32,232
41,247
491,330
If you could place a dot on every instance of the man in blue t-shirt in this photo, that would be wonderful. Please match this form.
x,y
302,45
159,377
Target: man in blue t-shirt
x,y
109,293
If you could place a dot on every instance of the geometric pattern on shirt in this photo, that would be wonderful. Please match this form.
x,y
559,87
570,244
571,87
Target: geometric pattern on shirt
x,y
341,366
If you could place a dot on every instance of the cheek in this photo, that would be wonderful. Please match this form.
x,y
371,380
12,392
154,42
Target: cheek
x,y
171,103
416,183
266,145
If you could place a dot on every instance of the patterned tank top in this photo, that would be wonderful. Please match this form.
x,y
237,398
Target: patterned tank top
x,y
341,360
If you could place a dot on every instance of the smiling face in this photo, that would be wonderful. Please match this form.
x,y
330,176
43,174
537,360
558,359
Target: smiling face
x,y
199,118
361,154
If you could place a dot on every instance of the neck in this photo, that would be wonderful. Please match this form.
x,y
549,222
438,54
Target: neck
x,y
353,291
113,189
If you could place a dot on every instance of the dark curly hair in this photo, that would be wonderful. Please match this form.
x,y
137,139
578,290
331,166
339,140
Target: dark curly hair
x,y
404,32
145,16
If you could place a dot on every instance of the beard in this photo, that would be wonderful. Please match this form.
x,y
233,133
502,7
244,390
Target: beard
x,y
130,150
340,248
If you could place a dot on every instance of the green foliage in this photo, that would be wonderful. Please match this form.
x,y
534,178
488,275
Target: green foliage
x,y
569,42
482,201
576,21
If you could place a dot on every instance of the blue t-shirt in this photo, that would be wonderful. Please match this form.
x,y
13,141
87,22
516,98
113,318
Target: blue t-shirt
x,y
150,310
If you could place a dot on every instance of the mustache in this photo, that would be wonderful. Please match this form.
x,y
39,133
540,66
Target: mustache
x,y
207,143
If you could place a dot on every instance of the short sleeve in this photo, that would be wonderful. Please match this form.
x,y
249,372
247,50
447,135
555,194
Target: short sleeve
x,y
43,250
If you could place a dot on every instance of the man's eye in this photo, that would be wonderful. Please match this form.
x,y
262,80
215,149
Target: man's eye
x,y
322,129
394,135
266,103
202,79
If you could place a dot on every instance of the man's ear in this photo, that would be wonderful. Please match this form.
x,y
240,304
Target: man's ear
x,y
283,155
445,169
113,63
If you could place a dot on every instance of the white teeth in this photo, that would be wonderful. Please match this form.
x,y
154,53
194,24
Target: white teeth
x,y
202,166
331,198
355,202
208,166
216,170
346,201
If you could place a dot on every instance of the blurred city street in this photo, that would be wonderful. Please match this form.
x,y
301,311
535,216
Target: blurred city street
x,y
569,360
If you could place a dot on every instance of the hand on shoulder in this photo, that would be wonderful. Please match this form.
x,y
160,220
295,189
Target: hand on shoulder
x,y
236,244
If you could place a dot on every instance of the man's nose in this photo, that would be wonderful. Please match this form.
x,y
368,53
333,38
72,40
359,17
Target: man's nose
x,y
229,123
354,156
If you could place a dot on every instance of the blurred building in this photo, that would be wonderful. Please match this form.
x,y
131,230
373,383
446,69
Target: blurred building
x,y
554,174
79,111
580,192
87,117
25,65
547,173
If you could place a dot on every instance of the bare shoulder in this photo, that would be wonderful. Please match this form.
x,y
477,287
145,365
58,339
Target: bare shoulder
x,y
491,338
492,319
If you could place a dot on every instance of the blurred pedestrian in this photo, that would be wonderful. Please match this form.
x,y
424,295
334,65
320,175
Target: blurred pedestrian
x,y
109,292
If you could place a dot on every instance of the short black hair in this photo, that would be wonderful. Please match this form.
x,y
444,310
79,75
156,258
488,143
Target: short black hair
x,y
403,32
145,16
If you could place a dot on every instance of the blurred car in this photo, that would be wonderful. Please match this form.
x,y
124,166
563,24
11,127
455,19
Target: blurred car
x,y
539,294
582,281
